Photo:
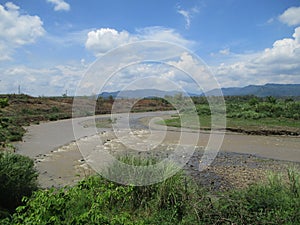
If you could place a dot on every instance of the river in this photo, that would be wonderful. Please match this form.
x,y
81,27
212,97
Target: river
x,y
53,146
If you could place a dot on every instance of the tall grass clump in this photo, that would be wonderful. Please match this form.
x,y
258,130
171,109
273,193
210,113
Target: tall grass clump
x,y
170,199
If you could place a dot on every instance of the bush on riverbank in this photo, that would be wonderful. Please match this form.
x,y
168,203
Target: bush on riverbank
x,y
177,200
18,178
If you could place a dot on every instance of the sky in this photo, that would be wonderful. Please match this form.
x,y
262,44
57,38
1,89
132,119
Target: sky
x,y
48,47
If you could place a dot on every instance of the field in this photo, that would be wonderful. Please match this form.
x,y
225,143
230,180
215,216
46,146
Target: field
x,y
250,115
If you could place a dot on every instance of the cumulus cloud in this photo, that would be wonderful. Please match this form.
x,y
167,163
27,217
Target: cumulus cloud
x,y
60,5
198,74
291,16
280,63
17,29
277,64
104,39
187,14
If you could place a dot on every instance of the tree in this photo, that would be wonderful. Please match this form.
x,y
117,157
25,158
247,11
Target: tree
x,y
271,100
110,98
253,101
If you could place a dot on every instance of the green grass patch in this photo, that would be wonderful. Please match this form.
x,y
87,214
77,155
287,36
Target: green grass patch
x,y
263,123
188,121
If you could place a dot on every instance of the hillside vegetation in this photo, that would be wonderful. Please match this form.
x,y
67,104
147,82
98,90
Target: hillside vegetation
x,y
17,111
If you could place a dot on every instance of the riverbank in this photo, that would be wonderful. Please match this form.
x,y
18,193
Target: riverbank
x,y
66,166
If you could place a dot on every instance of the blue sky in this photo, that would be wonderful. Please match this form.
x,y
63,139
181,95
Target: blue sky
x,y
46,46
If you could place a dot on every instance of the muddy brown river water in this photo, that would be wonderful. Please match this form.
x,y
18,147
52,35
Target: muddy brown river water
x,y
60,163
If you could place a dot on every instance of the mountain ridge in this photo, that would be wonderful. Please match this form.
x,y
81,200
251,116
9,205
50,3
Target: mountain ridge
x,y
269,89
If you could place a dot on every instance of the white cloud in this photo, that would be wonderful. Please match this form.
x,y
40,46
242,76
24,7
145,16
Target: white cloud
x,y
291,16
104,39
225,51
149,75
183,73
77,38
197,72
163,34
271,20
187,14
60,5
17,29
11,6
187,17
41,81
278,64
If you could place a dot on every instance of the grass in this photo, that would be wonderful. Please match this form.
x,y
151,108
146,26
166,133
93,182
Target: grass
x,y
188,121
264,123
176,200
253,124
139,170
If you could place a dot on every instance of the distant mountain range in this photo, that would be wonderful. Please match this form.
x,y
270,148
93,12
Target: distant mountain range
x,y
140,93
277,90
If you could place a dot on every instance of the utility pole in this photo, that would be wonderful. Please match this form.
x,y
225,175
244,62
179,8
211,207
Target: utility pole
x,y
19,89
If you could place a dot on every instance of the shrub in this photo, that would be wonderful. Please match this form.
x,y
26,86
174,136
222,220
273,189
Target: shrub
x,y
203,110
10,130
253,101
296,116
18,178
54,109
3,102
